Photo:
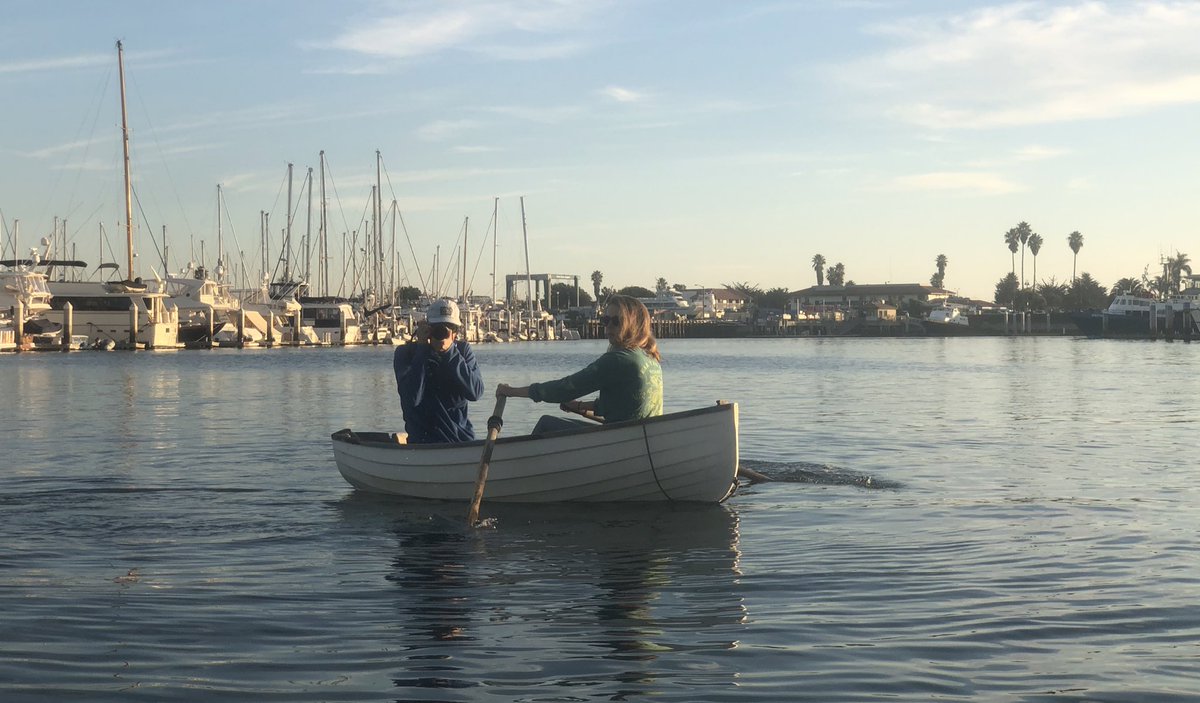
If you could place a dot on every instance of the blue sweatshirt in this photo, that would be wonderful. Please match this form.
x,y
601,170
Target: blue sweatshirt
x,y
434,389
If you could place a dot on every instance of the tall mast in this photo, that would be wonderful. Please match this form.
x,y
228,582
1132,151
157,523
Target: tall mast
x,y
287,236
377,254
323,245
125,144
495,231
308,234
528,277
394,257
220,269
369,249
462,286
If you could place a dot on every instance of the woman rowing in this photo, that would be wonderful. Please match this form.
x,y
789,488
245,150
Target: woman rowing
x,y
628,375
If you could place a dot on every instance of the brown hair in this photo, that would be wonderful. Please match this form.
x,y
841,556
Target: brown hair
x,y
634,331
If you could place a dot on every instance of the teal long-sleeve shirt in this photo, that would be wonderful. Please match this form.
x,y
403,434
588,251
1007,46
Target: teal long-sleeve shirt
x,y
629,381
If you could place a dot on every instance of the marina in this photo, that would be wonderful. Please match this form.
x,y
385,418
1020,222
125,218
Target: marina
x,y
948,519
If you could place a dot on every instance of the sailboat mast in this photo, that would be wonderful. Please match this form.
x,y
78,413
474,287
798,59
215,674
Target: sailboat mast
x,y
528,276
308,234
220,270
495,231
287,236
377,254
125,145
323,236
463,290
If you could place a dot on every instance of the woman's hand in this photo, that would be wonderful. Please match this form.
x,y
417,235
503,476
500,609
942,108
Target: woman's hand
x,y
581,407
508,391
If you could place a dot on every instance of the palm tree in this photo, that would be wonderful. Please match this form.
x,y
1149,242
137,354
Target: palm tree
x,y
818,264
1132,286
1013,239
597,279
1035,245
1024,232
1177,265
661,286
836,274
941,262
1075,241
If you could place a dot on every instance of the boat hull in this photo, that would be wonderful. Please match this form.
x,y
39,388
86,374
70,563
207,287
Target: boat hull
x,y
690,456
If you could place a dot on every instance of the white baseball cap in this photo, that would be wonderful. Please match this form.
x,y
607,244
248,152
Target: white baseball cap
x,y
443,312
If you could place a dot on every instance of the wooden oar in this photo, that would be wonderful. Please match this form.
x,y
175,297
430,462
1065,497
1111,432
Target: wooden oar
x,y
752,476
494,423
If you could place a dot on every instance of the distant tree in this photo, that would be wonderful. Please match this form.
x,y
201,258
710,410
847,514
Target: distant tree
x,y
1176,267
661,286
850,283
408,295
1087,294
1013,239
597,279
1132,286
836,275
775,298
1006,290
1029,299
1053,294
1035,245
679,287
1160,286
607,292
636,292
818,264
753,294
1024,232
938,279
562,296
1075,241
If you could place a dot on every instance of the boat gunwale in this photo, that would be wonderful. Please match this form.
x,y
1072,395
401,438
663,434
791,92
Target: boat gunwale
x,y
349,436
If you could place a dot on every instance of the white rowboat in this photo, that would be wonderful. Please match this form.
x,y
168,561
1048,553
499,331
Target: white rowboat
x,y
690,456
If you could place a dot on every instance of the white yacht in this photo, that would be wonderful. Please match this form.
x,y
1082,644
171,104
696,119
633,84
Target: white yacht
x,y
668,301
27,288
948,315
333,320
124,313
205,305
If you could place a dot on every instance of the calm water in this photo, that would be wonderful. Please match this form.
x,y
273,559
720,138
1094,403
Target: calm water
x,y
975,520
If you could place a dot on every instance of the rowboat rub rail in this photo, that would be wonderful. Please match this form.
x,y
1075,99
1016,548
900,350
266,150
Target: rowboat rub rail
x,y
686,456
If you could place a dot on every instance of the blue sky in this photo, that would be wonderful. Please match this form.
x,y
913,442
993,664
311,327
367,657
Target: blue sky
x,y
703,142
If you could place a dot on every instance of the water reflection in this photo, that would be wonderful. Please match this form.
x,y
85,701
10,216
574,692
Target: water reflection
x,y
615,602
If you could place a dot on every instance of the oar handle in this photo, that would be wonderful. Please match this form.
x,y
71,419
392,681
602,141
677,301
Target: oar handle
x,y
494,423
589,414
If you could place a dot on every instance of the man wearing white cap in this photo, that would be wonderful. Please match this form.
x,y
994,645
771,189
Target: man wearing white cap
x,y
436,375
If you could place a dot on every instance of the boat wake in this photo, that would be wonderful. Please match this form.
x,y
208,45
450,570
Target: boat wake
x,y
805,472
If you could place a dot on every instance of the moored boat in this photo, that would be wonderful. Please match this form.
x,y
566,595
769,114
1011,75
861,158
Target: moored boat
x,y
689,456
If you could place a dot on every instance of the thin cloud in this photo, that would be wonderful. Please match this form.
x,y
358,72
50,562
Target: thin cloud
x,y
445,129
51,151
517,30
55,64
1035,63
542,115
1038,153
960,181
622,95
